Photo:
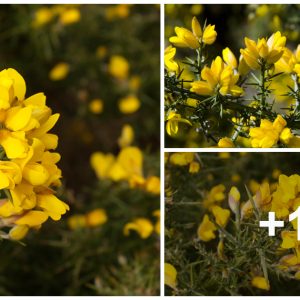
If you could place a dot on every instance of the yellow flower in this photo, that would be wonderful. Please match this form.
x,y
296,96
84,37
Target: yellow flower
x,y
215,195
76,221
219,78
182,158
12,85
10,174
102,163
268,51
262,198
262,10
173,120
192,102
32,218
52,206
59,71
194,167
170,63
130,159
27,168
141,225
120,11
260,283
42,16
229,58
129,104
286,63
118,67
192,39
184,38
96,217
170,276
226,143
289,239
286,136
18,232
234,197
70,16
127,136
221,215
246,209
268,134
284,199
96,106
206,230
152,185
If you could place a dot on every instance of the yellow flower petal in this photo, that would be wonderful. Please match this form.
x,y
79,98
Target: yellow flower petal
x,y
260,283
170,276
32,218
52,206
18,232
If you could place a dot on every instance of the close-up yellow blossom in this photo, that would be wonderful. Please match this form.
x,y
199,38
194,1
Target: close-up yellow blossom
x,y
264,51
170,63
192,39
269,134
173,120
28,170
219,78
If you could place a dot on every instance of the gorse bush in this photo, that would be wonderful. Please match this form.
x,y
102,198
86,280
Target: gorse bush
x,y
214,244
232,100
102,83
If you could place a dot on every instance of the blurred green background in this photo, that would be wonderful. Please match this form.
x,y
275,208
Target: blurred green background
x,y
81,41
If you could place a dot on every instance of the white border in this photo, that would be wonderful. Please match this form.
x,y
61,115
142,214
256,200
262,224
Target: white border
x,y
162,150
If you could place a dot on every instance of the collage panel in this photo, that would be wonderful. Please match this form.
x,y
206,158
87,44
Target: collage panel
x,y
231,224
232,75
79,151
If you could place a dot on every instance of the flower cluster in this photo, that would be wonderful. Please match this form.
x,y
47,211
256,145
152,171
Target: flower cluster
x,y
128,166
281,198
201,89
28,170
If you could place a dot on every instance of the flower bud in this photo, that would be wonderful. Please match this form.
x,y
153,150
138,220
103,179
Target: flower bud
x,y
234,199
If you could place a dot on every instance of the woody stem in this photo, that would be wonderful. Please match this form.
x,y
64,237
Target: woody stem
x,y
263,84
